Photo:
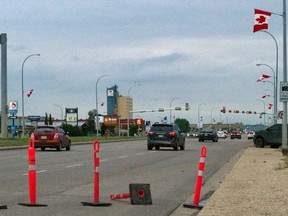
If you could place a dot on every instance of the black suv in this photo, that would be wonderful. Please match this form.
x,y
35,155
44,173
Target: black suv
x,y
165,135
271,136
208,134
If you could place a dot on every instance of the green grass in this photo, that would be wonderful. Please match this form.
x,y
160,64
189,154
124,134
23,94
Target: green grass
x,y
24,141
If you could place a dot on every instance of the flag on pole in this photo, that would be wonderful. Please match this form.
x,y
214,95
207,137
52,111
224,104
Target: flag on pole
x,y
266,95
270,106
261,20
29,93
264,76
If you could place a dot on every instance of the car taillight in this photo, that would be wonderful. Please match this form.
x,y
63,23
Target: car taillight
x,y
172,134
56,136
150,133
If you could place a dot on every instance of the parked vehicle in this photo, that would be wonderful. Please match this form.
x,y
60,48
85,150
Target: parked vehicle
x,y
49,136
165,135
235,135
250,134
271,136
208,134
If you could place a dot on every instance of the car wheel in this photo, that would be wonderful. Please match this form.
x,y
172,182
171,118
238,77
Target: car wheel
x,y
274,145
149,147
175,147
59,147
42,148
259,142
68,148
182,147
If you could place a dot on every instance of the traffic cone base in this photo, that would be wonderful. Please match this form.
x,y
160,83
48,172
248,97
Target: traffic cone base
x,y
33,205
3,207
140,194
99,204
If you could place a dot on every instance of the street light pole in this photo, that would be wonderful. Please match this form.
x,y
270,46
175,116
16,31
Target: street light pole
x,y
22,79
199,113
130,111
275,81
60,109
170,108
264,110
97,120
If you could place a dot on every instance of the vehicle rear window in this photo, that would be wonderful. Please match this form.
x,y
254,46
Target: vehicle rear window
x,y
45,129
162,128
207,130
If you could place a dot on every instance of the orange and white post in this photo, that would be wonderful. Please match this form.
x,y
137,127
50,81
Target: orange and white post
x,y
201,167
96,202
32,176
198,185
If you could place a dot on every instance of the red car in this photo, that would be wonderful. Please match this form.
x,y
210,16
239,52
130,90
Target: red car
x,y
49,136
235,135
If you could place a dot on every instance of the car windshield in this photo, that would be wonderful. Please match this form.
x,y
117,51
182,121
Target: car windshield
x,y
45,129
162,128
207,131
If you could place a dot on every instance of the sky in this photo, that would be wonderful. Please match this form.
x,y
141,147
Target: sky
x,y
201,52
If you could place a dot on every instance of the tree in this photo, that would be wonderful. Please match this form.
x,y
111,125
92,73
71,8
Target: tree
x,y
46,119
50,119
183,125
91,120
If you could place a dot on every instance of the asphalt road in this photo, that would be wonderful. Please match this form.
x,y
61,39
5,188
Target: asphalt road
x,y
65,179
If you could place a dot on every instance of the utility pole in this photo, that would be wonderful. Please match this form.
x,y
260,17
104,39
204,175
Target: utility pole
x,y
4,114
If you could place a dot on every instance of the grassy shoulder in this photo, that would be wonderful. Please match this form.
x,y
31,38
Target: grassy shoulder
x,y
24,141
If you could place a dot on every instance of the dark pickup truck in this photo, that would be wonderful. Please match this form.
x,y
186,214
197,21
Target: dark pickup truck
x,y
271,136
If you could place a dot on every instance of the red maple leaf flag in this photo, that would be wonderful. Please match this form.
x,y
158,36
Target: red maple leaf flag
x,y
264,76
29,93
266,95
261,20
270,106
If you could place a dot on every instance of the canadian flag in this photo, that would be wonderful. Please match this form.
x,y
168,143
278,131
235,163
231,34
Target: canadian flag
x,y
270,106
261,20
264,76
29,93
266,95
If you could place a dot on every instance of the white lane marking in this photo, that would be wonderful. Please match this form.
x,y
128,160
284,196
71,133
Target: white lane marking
x,y
140,154
40,171
122,157
74,165
103,160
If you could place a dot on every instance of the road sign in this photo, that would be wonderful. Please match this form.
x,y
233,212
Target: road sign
x,y
34,118
13,107
280,114
283,91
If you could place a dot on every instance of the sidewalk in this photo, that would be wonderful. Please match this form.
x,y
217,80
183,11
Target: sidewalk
x,y
256,186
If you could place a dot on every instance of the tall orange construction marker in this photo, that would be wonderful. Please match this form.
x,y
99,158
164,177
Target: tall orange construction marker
x,y
198,186
96,202
32,176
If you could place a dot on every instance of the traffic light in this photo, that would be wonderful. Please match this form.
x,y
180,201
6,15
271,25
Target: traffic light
x,y
223,109
236,111
248,112
186,106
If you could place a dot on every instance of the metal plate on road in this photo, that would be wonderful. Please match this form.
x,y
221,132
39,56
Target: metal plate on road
x,y
283,91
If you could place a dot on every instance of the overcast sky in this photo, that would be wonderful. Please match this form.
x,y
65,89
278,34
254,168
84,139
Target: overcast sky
x,y
197,51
